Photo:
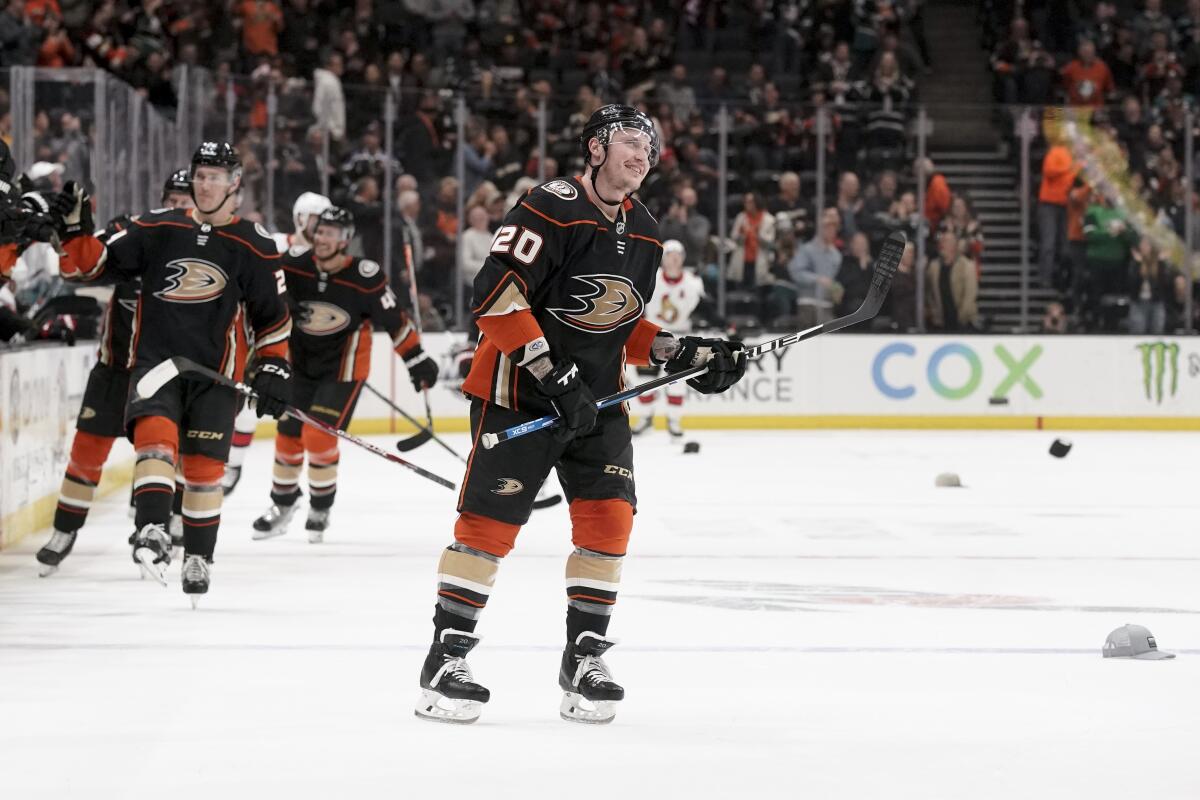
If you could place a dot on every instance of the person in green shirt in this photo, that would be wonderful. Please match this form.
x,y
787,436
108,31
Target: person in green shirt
x,y
1109,238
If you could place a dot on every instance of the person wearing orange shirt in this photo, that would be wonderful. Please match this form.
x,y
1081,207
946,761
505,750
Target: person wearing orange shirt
x,y
1087,80
1058,174
262,22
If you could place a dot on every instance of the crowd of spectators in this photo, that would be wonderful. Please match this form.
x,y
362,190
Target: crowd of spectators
x,y
777,64
1131,70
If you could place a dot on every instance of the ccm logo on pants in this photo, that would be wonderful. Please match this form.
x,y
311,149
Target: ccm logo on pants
x,y
205,435
613,469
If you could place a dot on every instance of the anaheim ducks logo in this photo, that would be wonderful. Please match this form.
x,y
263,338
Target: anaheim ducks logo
x,y
322,319
609,302
193,280
508,486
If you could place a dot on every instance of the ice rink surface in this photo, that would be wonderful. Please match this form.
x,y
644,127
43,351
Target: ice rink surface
x,y
802,614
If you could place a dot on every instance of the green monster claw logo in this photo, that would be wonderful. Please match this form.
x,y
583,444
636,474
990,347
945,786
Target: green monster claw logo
x,y
1154,369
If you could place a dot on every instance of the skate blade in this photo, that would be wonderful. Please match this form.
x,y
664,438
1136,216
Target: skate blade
x,y
46,570
576,708
316,537
258,535
435,707
145,559
195,598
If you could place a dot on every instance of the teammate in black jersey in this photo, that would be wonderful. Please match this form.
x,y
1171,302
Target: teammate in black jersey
x,y
102,416
203,271
335,298
559,303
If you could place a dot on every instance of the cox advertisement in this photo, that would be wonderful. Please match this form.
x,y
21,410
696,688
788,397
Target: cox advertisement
x,y
1090,381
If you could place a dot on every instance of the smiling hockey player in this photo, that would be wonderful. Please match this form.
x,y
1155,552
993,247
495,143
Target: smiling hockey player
x,y
559,303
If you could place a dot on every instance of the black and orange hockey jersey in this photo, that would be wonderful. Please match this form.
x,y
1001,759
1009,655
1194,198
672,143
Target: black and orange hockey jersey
x,y
562,277
331,339
198,280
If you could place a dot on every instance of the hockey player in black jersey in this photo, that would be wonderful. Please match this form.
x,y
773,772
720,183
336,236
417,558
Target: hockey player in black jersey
x,y
102,415
560,303
203,270
335,299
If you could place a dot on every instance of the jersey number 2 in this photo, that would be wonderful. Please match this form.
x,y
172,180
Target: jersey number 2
x,y
528,245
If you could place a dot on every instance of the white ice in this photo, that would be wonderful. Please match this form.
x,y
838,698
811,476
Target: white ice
x,y
801,614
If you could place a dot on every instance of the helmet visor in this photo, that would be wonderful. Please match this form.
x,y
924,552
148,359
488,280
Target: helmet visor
x,y
636,134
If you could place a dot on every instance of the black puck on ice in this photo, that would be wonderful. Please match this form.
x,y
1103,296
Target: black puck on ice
x,y
691,447
1060,447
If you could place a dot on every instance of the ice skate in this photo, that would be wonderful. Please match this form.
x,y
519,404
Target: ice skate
x,y
589,692
229,480
195,576
152,551
675,429
274,521
317,522
55,550
449,692
644,424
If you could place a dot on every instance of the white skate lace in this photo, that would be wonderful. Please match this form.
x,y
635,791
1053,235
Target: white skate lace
x,y
153,532
195,570
593,671
459,669
60,540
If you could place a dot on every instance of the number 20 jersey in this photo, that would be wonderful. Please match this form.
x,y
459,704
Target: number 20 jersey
x,y
562,277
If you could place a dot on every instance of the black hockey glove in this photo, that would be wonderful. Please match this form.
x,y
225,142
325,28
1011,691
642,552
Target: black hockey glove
x,y
726,363
40,225
76,214
563,386
422,370
273,384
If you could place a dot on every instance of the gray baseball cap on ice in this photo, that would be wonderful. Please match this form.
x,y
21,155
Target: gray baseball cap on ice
x,y
1133,641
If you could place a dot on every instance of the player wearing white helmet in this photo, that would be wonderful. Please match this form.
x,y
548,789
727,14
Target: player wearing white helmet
x,y
677,292
305,211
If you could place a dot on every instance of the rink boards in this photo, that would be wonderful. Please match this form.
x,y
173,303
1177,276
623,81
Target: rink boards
x,y
836,381
868,381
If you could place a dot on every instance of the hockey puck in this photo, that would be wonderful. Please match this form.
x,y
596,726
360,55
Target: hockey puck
x,y
948,480
691,447
1060,447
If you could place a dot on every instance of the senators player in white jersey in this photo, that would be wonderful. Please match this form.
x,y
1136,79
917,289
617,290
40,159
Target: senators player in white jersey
x,y
676,295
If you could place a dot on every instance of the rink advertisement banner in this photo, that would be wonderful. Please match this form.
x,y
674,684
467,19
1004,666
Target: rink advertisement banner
x,y
852,380
40,392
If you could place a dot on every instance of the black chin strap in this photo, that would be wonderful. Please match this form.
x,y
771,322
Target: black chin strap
x,y
214,210
596,187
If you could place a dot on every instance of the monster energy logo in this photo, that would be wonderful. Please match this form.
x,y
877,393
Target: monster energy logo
x,y
1155,368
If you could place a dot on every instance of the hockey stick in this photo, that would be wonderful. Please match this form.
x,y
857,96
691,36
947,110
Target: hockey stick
x,y
545,502
881,280
423,433
414,299
162,374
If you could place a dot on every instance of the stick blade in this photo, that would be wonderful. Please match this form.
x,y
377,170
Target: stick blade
x,y
415,441
158,377
547,502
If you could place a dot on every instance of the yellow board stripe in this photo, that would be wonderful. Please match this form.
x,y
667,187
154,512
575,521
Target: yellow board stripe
x,y
368,427
40,513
